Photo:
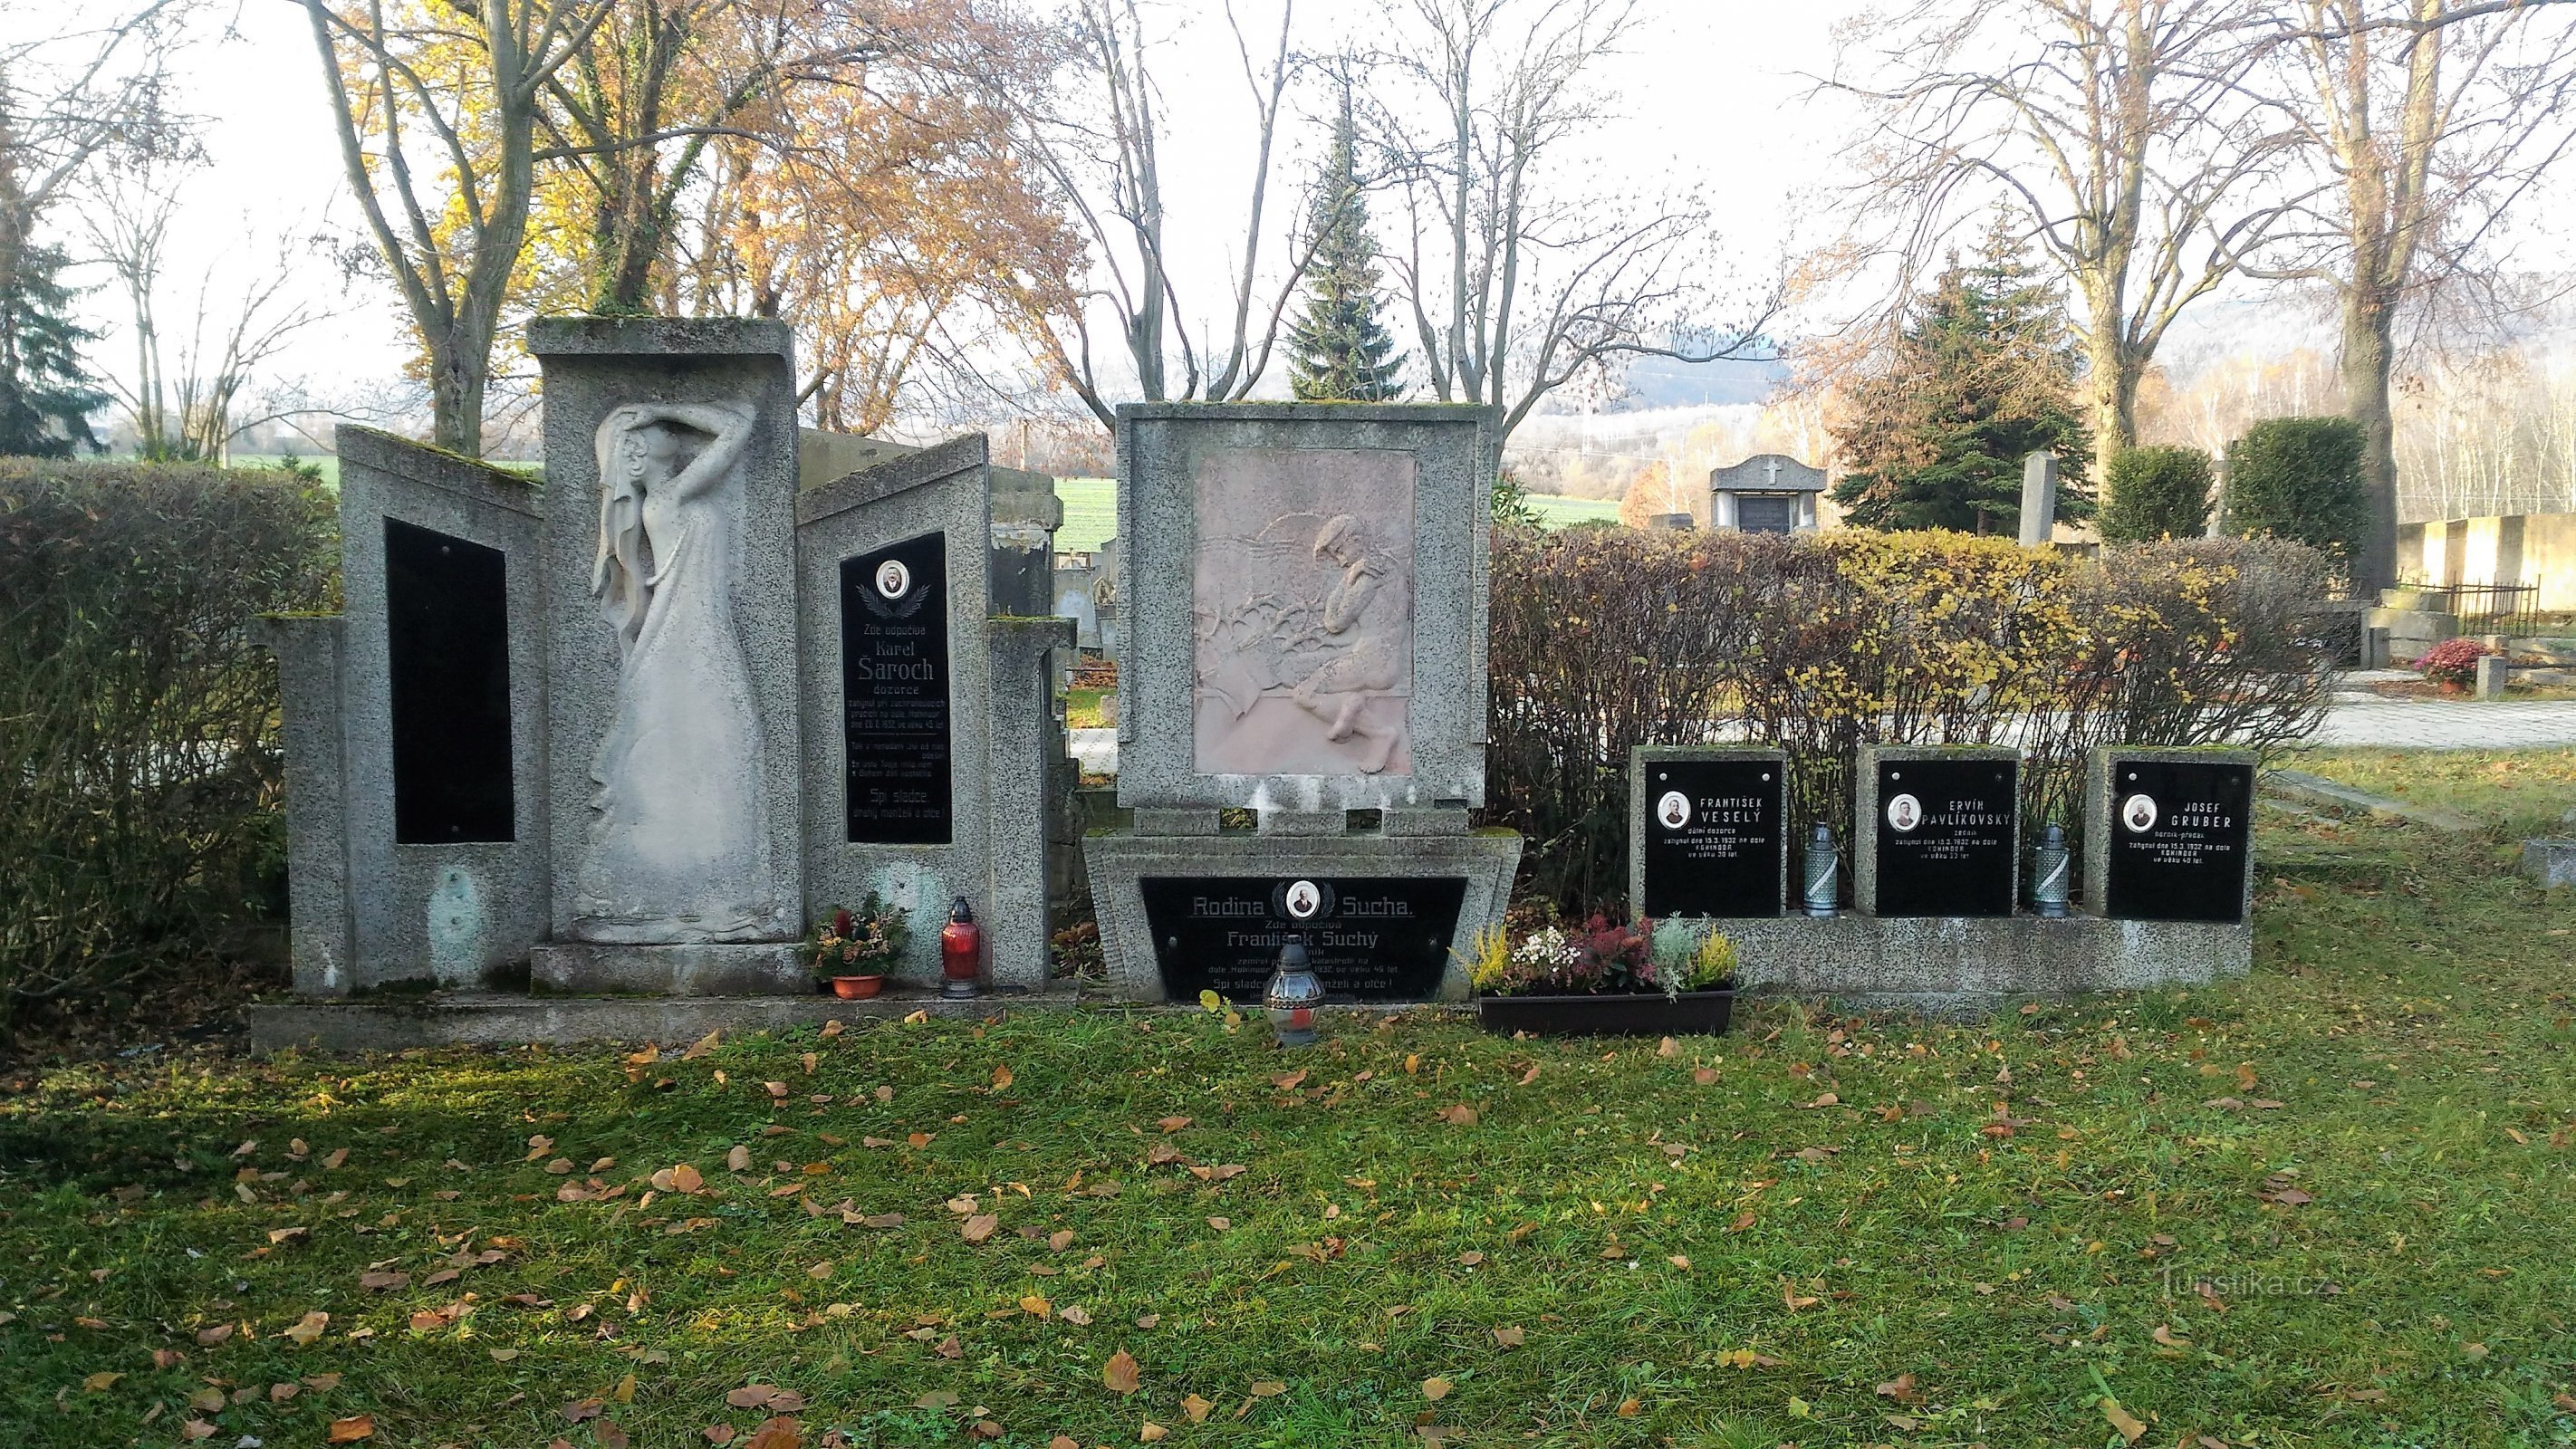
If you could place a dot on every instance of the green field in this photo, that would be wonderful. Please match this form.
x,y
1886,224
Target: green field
x,y
2327,1205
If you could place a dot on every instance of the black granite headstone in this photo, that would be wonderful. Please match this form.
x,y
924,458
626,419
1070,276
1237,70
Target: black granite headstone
x,y
2179,835
894,692
447,646
1367,938
1712,837
1945,837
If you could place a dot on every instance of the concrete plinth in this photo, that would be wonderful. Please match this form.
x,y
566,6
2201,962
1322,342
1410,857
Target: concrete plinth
x,y
1953,966
496,1020
762,968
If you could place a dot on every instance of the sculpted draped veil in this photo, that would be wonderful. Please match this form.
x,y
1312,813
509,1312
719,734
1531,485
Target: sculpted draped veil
x,y
678,847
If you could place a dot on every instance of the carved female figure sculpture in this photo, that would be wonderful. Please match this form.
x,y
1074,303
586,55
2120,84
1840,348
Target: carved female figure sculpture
x,y
678,849
1365,615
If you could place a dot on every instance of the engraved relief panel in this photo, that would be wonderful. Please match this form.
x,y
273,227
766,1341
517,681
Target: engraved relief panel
x,y
1302,611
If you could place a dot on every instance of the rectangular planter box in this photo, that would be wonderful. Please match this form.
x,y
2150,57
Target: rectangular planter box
x,y
1693,1013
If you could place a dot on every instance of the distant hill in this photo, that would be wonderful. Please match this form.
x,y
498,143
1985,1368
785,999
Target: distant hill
x,y
1662,382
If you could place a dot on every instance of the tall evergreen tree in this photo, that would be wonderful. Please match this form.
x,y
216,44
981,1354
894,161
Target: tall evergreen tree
x,y
1982,375
1339,351
45,396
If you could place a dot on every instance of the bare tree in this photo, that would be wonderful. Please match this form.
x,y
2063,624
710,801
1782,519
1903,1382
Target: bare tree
x,y
451,95
1101,144
1522,276
2431,119
234,330
67,96
2124,131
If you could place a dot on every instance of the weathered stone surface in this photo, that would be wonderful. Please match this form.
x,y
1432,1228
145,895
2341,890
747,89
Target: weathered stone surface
x,y
367,909
2550,862
1933,964
677,436
1119,860
757,968
1001,712
1337,556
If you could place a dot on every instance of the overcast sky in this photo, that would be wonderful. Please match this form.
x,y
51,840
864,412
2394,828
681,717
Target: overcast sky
x,y
1715,98
1712,102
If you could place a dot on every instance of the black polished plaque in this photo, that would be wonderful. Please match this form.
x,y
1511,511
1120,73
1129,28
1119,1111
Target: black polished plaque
x,y
2180,831
1368,938
447,648
894,692
1945,837
1712,837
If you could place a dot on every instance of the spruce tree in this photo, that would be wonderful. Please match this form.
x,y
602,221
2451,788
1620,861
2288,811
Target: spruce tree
x,y
1339,351
45,396
1982,375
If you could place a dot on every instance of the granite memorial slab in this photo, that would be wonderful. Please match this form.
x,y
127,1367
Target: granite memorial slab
x,y
2169,834
1369,938
894,693
1708,831
1937,831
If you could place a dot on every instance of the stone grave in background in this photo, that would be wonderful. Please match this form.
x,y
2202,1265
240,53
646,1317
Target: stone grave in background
x,y
1708,831
1302,600
631,730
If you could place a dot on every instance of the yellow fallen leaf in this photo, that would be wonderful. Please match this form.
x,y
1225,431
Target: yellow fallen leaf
x,y
352,1429
1197,1408
1435,1388
1120,1373
1002,1079
2122,1420
1152,1433
1036,1307
307,1329
99,1383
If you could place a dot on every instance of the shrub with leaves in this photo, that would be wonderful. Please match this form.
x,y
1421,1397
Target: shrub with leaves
x,y
2157,493
2453,661
2299,479
139,759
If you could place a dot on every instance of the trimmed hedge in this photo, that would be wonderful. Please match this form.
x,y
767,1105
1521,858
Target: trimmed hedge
x,y
2299,479
139,761
2157,493
1820,644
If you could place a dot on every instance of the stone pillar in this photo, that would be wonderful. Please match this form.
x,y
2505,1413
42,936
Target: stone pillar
x,y
2492,674
2038,498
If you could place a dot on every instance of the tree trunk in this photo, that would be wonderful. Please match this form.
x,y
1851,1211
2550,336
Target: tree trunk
x,y
2112,379
2368,332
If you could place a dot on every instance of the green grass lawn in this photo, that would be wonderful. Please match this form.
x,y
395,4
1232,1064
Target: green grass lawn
x,y
1815,1231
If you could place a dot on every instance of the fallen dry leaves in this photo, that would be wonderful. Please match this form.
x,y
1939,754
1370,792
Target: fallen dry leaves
x,y
1119,1374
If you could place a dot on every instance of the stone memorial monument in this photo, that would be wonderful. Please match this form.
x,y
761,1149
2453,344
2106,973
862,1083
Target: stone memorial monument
x,y
1303,606
630,730
1707,831
2169,834
1937,831
1766,493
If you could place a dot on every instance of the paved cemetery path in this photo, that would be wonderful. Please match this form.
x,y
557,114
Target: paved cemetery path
x,y
2384,724
2450,725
